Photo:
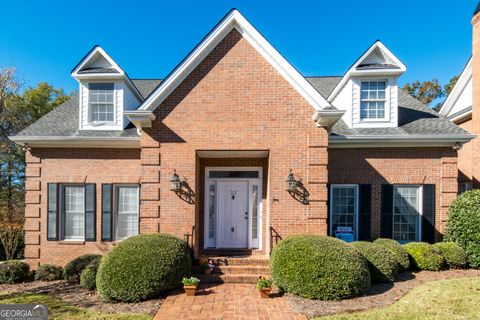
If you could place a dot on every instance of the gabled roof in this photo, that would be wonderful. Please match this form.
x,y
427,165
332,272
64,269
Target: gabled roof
x,y
233,20
377,60
456,92
97,63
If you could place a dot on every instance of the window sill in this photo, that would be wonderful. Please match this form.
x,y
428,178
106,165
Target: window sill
x,y
72,242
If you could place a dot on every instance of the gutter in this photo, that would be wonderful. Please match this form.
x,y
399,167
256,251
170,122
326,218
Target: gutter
x,y
404,141
77,142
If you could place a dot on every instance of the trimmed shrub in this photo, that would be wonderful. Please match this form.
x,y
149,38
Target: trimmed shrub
x,y
142,267
48,272
453,254
397,250
89,275
424,256
319,267
463,225
74,268
13,271
381,262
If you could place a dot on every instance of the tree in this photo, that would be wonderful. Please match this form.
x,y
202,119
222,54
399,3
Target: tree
x,y
426,91
449,86
16,112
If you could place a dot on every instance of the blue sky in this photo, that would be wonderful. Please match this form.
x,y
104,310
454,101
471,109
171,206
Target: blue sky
x,y
44,40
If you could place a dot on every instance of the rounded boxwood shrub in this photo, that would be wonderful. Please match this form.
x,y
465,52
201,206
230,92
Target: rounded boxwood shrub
x,y
463,225
74,268
319,267
397,250
424,256
48,272
381,262
89,275
142,267
453,254
13,271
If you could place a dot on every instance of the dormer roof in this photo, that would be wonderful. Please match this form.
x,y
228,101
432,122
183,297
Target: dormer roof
x,y
377,60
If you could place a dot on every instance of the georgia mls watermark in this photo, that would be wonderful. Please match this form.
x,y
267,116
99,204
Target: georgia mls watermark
x,y
23,312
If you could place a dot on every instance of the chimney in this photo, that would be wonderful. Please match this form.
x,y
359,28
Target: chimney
x,y
476,95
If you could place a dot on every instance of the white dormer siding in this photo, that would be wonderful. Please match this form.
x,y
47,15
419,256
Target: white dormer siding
x,y
124,99
98,67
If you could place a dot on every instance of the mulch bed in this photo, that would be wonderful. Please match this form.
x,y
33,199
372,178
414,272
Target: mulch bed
x,y
379,296
77,296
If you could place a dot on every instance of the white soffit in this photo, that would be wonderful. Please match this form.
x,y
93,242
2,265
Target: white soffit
x,y
234,19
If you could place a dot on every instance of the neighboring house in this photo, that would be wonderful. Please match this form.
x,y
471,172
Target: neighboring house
x,y
458,108
231,122
462,106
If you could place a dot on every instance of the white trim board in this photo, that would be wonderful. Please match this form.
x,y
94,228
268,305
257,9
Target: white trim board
x,y
458,89
234,20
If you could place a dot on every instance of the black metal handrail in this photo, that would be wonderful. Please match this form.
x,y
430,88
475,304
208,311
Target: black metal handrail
x,y
189,237
275,237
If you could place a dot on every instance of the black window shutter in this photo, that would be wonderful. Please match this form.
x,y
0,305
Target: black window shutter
x,y
387,211
428,218
328,210
90,212
52,214
364,211
107,197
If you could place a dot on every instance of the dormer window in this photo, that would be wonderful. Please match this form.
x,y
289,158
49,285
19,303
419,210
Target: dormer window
x,y
372,100
101,103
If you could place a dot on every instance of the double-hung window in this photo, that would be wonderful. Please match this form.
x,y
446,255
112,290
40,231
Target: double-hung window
x,y
406,213
344,211
127,212
372,100
74,212
101,102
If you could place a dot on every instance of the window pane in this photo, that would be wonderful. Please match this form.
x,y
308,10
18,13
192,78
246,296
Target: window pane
x,y
406,215
74,213
101,102
255,212
372,100
233,174
126,223
343,211
211,211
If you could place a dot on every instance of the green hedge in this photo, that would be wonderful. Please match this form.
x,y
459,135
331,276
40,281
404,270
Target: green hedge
x,y
397,250
13,271
424,256
89,275
453,254
319,267
74,268
381,262
48,272
142,267
463,225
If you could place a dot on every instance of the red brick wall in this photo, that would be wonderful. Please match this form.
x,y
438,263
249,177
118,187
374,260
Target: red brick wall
x,y
63,165
466,165
475,126
377,166
234,100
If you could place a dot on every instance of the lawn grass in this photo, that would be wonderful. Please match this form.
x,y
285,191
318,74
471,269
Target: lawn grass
x,y
58,309
439,300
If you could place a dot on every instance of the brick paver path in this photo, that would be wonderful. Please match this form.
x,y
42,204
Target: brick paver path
x,y
226,301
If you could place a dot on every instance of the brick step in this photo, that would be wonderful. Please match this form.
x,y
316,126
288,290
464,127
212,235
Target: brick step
x,y
240,261
228,278
257,270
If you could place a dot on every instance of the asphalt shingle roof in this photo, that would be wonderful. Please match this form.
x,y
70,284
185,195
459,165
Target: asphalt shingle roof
x,y
414,117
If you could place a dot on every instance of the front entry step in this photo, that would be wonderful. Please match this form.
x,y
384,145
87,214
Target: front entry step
x,y
236,270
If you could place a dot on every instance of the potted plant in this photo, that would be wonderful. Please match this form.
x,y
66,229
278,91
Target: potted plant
x,y
190,285
264,285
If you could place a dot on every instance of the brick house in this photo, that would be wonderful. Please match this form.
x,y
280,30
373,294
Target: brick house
x,y
207,152
462,107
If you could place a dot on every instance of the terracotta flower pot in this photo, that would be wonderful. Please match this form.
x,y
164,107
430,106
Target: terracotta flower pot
x,y
190,290
265,293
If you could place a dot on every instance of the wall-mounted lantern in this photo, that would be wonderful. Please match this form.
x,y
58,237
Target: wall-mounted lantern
x,y
291,182
175,183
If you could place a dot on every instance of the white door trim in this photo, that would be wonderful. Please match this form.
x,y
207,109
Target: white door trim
x,y
252,244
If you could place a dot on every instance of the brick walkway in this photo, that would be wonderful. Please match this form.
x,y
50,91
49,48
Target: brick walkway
x,y
225,301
